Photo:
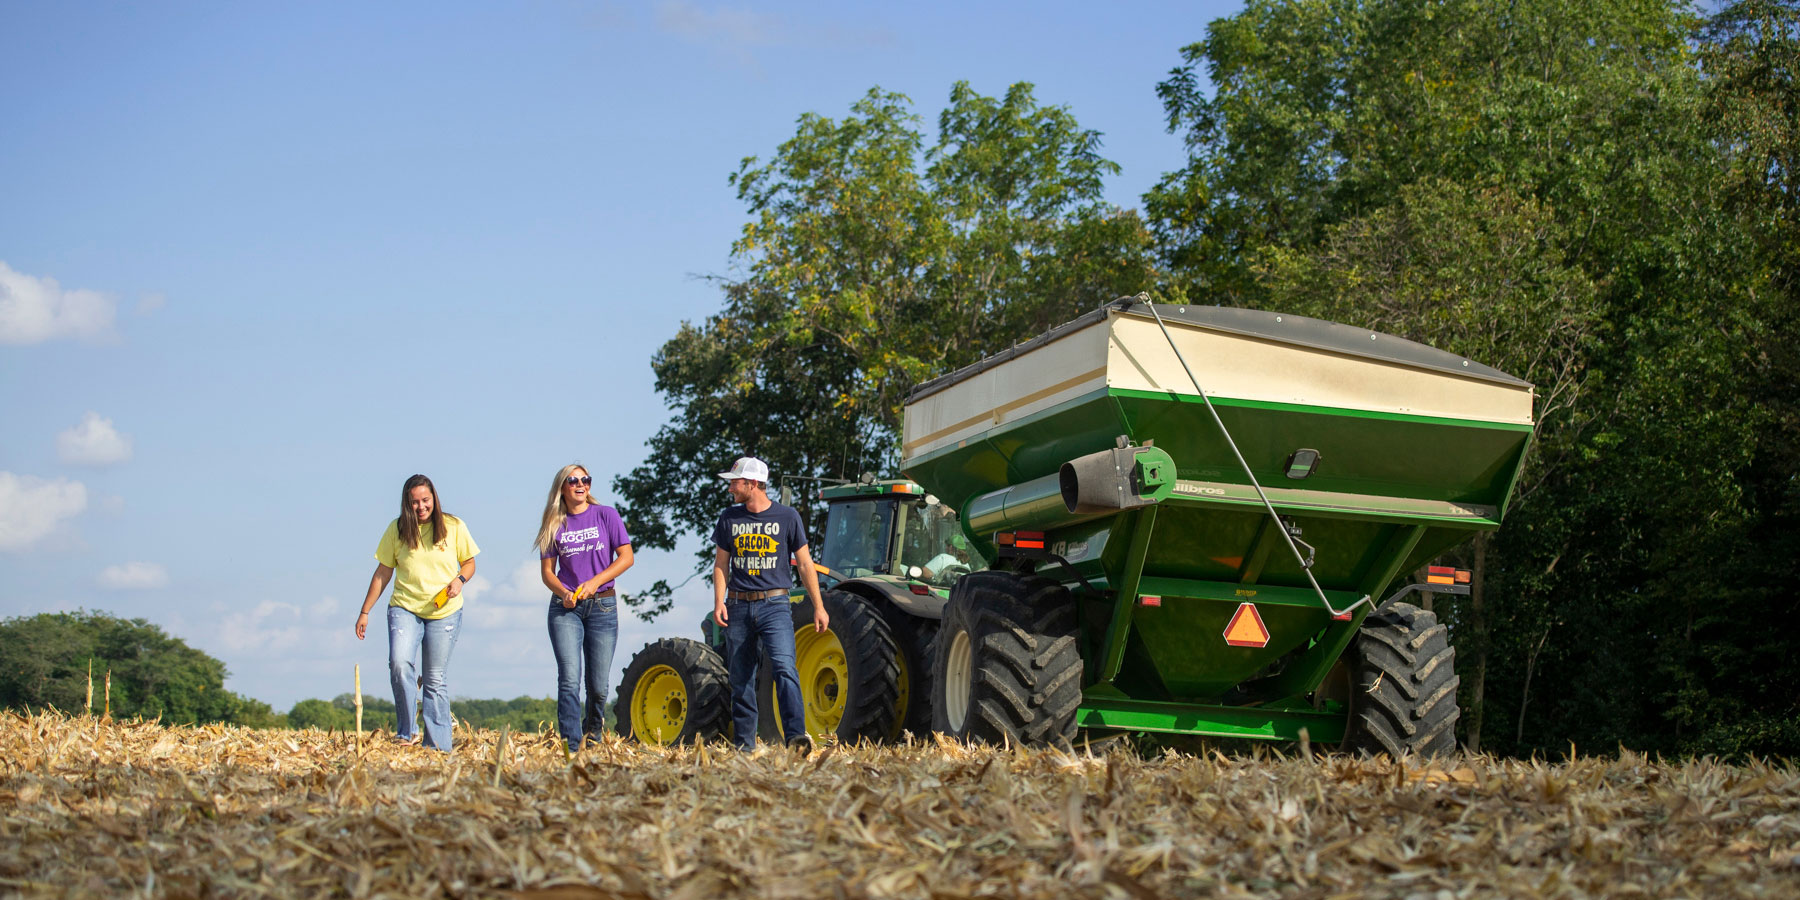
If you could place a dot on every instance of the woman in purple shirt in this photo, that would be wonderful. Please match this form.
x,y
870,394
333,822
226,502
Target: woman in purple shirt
x,y
583,547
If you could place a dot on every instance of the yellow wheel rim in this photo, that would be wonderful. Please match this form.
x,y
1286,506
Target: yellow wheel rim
x,y
659,706
824,679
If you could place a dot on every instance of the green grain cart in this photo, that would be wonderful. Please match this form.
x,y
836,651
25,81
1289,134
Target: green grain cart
x,y
1194,513
1186,520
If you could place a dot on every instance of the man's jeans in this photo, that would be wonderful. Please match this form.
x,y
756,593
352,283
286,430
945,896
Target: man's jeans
x,y
418,655
583,638
768,625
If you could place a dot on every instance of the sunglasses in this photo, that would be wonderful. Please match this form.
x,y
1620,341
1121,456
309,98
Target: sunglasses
x,y
579,479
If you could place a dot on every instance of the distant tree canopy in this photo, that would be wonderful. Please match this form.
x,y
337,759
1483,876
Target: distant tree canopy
x,y
1603,198
44,663
521,714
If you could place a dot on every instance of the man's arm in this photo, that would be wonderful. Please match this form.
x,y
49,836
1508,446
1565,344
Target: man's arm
x,y
721,560
809,576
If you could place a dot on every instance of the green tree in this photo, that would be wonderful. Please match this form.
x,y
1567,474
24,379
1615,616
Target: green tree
x,y
521,714
870,264
320,714
1537,185
44,662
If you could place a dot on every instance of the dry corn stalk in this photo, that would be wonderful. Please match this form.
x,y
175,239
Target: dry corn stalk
x,y
213,810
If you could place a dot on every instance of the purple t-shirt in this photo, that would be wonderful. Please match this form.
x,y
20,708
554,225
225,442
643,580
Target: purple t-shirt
x,y
586,544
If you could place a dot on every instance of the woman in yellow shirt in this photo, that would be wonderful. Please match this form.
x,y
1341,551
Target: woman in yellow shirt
x,y
430,556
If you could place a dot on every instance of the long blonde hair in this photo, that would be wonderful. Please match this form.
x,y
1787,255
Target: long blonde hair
x,y
555,511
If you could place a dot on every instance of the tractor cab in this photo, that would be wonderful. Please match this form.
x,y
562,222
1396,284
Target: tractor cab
x,y
892,528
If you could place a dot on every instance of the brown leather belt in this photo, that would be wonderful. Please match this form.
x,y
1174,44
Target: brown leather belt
x,y
756,595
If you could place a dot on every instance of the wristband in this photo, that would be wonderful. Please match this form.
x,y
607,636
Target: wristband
x,y
465,580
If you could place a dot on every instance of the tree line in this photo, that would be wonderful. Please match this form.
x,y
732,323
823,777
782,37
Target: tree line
x,y
1602,198
45,661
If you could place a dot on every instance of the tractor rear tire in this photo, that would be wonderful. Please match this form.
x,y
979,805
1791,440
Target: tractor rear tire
x,y
849,681
913,636
1402,696
1008,666
673,691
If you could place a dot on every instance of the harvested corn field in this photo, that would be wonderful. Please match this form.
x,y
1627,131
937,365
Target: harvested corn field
x,y
94,808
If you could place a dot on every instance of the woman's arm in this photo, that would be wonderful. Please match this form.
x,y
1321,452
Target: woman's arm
x,y
377,583
454,588
620,563
555,584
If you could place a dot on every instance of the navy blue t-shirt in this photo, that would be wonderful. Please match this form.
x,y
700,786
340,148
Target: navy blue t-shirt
x,y
761,546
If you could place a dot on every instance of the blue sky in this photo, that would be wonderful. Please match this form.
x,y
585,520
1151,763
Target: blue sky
x,y
260,263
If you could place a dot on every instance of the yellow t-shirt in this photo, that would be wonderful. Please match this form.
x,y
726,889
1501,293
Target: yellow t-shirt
x,y
420,574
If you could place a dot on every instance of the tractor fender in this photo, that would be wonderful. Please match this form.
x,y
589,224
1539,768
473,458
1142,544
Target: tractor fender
x,y
896,591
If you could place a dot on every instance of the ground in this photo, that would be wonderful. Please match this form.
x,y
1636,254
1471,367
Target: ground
x,y
96,808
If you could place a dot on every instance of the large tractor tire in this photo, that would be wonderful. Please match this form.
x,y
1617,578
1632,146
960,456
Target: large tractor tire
x,y
1402,693
849,680
1008,667
913,636
673,691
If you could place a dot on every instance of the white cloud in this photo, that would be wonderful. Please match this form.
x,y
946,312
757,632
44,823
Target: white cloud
x,y
269,626
31,508
94,442
731,27
33,310
134,576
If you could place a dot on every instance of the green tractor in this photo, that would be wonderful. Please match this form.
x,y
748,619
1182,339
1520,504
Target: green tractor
x,y
1190,517
887,561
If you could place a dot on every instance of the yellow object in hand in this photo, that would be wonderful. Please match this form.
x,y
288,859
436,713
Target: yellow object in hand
x,y
443,597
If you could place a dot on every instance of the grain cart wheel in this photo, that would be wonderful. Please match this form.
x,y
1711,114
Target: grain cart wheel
x,y
1008,667
1402,691
849,681
673,691
913,635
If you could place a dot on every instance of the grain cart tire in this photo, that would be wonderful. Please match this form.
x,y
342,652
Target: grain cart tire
x,y
1402,696
849,680
1008,667
673,691
913,636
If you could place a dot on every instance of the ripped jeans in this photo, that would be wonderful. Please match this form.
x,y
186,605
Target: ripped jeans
x,y
418,655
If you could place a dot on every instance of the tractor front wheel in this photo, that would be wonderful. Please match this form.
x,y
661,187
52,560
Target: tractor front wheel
x,y
1402,691
673,691
849,681
913,637
1008,668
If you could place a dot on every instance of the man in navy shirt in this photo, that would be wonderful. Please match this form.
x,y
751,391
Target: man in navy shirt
x,y
753,543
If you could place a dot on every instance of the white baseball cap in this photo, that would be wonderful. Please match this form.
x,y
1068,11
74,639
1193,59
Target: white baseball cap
x,y
748,467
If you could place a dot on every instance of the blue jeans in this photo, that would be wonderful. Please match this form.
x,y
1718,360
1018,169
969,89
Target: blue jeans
x,y
582,638
767,625
418,654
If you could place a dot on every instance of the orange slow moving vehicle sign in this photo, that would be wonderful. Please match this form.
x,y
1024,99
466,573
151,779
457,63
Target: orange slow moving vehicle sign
x,y
1247,628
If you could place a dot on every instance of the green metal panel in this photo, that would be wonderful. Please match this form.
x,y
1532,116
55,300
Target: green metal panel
x,y
1211,720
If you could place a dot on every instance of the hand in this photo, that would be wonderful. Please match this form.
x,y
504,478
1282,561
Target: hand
x,y
568,600
720,616
362,625
455,588
582,590
821,620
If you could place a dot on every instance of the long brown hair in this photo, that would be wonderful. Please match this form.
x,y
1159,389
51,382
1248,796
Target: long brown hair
x,y
409,523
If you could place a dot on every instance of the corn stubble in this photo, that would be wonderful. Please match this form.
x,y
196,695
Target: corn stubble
x,y
135,809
